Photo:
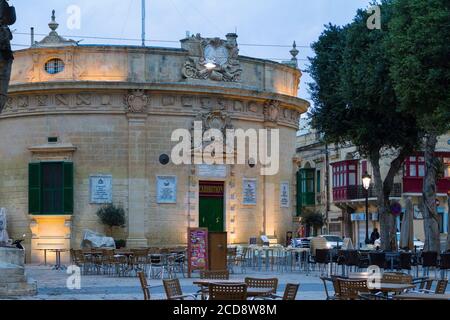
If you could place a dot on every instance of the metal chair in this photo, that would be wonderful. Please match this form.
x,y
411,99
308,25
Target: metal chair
x,y
444,264
405,261
377,259
351,289
219,291
290,292
144,285
429,260
213,275
173,290
441,287
335,284
271,283
323,259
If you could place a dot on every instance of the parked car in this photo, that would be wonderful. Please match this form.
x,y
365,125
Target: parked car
x,y
301,242
418,244
333,241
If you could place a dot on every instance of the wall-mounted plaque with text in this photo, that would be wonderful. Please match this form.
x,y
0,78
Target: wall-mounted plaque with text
x,y
249,191
101,189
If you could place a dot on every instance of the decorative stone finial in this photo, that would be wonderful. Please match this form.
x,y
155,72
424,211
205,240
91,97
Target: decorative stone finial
x,y
54,39
294,52
53,24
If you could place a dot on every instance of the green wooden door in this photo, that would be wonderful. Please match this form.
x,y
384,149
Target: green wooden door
x,y
211,214
211,206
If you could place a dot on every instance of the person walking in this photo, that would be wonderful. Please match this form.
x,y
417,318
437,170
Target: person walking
x,y
374,236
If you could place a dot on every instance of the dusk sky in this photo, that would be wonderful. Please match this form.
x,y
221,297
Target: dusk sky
x,y
271,22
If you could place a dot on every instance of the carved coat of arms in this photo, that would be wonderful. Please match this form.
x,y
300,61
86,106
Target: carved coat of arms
x,y
212,58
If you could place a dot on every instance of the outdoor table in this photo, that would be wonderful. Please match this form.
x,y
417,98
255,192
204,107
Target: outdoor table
x,y
58,265
421,296
387,288
45,255
251,292
359,275
303,254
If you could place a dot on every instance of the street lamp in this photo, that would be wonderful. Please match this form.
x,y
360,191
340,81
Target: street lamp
x,y
366,178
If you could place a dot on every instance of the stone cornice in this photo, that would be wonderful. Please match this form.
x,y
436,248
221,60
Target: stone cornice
x,y
53,148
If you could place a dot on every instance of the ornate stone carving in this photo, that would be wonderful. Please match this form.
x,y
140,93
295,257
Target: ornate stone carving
x,y
23,102
106,100
272,111
187,101
205,103
137,101
212,58
83,99
61,100
215,120
168,101
253,107
42,100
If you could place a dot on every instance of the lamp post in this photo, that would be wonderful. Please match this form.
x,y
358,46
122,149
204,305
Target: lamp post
x,y
366,179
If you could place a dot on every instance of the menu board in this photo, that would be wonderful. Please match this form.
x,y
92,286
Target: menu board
x,y
197,249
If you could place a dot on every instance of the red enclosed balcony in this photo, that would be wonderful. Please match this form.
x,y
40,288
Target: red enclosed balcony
x,y
414,171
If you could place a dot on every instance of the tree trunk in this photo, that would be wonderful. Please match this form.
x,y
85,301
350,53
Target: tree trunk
x,y
431,224
388,232
383,214
448,222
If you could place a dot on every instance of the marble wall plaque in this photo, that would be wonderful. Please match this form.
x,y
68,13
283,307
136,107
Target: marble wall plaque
x,y
166,189
101,189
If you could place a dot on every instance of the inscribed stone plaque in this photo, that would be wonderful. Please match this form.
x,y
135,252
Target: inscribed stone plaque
x,y
284,194
166,189
249,191
212,171
101,189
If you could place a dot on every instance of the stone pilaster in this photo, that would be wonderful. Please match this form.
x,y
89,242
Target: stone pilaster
x,y
137,183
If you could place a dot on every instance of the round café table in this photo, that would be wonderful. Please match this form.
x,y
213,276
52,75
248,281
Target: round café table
x,y
58,265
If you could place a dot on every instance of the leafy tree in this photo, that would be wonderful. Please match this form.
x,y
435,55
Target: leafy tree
x,y
355,102
419,50
111,216
313,219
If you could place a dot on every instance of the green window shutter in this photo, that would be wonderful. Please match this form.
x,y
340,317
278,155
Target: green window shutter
x,y
299,194
68,187
318,181
34,188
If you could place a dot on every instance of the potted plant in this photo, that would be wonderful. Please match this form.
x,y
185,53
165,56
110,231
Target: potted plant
x,y
111,216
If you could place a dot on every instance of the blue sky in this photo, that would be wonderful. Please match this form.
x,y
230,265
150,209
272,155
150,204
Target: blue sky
x,y
273,22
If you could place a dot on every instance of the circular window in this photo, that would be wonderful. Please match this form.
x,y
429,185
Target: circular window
x,y
54,66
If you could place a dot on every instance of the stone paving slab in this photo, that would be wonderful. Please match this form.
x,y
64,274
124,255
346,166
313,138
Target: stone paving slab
x,y
52,285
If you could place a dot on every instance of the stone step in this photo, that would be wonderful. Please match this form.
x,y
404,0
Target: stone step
x,y
12,278
18,289
7,269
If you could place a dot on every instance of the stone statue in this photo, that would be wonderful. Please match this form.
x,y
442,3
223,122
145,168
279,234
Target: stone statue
x,y
7,18
3,232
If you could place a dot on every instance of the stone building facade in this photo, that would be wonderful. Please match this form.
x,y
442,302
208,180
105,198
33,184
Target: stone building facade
x,y
110,111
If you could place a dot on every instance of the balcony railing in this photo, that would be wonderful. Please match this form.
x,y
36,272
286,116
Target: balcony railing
x,y
415,185
341,194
